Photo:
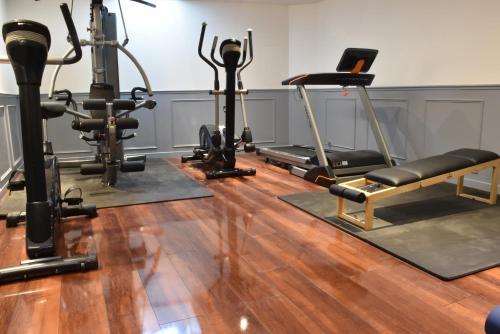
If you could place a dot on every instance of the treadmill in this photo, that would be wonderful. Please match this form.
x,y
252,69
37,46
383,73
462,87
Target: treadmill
x,y
315,163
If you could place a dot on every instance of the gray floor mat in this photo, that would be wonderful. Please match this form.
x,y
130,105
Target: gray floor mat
x,y
431,228
160,182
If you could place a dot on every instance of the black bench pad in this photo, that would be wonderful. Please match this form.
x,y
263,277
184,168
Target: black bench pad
x,y
394,176
429,167
474,155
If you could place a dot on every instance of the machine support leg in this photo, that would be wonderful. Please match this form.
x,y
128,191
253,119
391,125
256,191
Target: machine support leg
x,y
375,125
318,145
494,186
460,185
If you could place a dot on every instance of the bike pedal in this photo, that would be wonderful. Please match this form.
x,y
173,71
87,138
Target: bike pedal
x,y
16,185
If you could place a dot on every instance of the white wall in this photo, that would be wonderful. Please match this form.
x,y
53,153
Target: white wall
x,y
4,69
426,42
165,41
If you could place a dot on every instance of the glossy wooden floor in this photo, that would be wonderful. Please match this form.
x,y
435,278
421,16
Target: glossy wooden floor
x,y
242,261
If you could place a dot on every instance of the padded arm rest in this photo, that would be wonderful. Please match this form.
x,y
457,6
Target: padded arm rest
x,y
348,193
123,104
337,79
52,109
94,104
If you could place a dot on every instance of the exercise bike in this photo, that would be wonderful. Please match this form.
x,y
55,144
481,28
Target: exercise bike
x,y
218,146
105,126
27,44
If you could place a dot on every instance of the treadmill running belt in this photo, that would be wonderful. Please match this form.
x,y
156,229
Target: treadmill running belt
x,y
296,150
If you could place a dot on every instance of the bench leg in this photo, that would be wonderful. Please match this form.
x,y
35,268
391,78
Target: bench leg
x,y
494,186
460,185
492,200
366,224
340,205
369,214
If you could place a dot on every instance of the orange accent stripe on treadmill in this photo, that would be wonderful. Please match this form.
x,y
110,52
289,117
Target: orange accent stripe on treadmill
x,y
358,67
298,78
324,177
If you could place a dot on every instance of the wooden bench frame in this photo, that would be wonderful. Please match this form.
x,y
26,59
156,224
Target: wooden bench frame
x,y
388,191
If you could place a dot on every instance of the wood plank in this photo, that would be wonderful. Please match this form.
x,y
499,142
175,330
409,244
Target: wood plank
x,y
242,259
330,315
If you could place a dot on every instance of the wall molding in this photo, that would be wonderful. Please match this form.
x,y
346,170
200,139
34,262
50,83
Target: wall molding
x,y
407,125
454,101
355,126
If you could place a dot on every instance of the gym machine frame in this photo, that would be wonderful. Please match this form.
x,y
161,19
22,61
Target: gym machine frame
x,y
27,44
217,152
107,137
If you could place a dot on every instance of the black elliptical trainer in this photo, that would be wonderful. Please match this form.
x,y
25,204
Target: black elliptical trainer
x,y
27,44
216,151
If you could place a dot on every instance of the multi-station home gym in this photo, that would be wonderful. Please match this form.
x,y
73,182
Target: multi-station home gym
x,y
248,166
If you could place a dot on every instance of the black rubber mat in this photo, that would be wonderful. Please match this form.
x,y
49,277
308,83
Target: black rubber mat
x,y
160,182
432,229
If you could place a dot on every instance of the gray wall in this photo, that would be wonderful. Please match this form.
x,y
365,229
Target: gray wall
x,y
10,137
417,121
173,126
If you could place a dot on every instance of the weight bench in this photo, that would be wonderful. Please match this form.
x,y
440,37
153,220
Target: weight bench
x,y
387,182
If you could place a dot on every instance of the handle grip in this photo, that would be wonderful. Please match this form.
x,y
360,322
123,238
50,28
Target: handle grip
x,y
137,89
212,52
205,59
245,47
73,36
250,47
68,96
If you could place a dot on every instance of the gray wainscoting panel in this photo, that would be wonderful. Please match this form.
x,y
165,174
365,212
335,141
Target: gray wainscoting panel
x,y
173,125
452,124
65,140
416,121
340,122
392,115
261,114
10,137
5,148
145,140
15,132
187,116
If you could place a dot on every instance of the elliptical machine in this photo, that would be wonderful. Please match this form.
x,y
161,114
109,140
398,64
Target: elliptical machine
x,y
218,152
27,44
109,117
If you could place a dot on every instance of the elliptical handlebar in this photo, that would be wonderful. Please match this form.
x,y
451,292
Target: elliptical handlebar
x,y
205,59
245,47
250,48
64,95
137,89
212,52
73,37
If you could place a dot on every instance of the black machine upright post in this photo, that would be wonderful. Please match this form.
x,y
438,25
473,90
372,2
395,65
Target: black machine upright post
x,y
28,58
230,51
27,43
220,162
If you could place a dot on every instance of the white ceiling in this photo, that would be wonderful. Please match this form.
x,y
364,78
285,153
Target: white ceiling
x,y
276,2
